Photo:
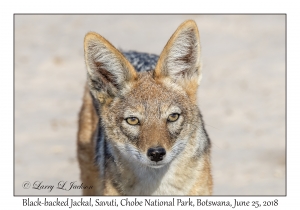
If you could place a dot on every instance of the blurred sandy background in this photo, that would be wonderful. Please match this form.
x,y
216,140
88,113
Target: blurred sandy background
x,y
242,94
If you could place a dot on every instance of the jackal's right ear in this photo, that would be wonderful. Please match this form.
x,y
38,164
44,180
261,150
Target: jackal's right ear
x,y
108,69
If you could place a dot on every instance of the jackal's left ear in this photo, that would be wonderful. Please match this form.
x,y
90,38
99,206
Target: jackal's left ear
x,y
180,59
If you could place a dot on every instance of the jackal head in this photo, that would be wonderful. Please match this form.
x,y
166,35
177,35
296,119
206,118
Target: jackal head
x,y
148,117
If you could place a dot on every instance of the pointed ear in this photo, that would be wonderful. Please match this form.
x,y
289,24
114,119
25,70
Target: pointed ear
x,y
108,70
180,59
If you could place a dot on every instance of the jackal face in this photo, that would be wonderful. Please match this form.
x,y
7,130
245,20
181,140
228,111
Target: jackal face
x,y
148,117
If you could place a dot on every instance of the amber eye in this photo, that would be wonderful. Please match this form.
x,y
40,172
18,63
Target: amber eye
x,y
132,120
173,117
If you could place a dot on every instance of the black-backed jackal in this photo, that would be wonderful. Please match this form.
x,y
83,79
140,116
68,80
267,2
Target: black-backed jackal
x,y
140,129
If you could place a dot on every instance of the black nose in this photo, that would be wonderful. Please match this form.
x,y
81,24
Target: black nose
x,y
156,154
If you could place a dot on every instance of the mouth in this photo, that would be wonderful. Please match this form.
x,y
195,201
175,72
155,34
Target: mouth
x,y
156,165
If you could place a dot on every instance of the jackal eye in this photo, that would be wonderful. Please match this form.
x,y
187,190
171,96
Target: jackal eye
x,y
132,120
173,117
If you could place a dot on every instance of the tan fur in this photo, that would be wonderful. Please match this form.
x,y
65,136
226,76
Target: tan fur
x,y
88,120
204,184
151,97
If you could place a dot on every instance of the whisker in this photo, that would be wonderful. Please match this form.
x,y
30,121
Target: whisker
x,y
212,126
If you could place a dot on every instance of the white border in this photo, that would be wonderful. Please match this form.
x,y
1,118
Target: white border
x,y
8,8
